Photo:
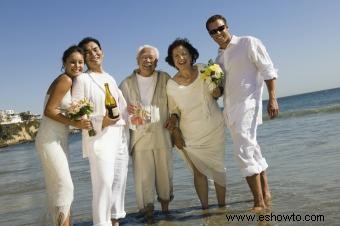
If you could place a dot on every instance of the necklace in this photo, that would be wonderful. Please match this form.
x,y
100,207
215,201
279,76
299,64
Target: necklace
x,y
187,80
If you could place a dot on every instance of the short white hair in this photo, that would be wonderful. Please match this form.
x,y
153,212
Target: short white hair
x,y
141,48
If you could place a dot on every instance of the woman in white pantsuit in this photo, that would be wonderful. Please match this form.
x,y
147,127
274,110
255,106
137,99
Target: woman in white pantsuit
x,y
52,138
108,149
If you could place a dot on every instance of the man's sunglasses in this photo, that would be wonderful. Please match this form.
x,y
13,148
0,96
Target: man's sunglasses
x,y
219,29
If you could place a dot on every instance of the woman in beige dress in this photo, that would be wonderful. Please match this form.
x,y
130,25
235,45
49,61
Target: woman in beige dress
x,y
200,132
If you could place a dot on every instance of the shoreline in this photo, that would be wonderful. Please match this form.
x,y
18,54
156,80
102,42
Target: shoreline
x,y
3,145
21,133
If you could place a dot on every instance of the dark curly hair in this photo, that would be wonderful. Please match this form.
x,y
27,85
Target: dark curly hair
x,y
185,43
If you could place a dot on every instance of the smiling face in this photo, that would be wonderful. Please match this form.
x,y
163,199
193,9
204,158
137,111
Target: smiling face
x,y
147,61
93,55
74,64
181,57
218,30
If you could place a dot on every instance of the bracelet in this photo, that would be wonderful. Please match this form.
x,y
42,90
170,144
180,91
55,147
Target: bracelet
x,y
172,131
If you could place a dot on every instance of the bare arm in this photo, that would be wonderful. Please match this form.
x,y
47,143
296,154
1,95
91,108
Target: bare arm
x,y
176,134
273,106
57,92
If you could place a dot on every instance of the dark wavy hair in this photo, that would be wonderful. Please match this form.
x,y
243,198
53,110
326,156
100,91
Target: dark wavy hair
x,y
185,43
86,40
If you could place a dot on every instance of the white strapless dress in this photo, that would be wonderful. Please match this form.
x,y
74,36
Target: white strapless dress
x,y
52,147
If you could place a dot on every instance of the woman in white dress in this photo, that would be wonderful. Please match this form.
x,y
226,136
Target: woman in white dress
x,y
52,138
200,135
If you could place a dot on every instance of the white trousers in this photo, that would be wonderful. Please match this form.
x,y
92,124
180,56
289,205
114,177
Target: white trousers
x,y
109,167
152,174
246,148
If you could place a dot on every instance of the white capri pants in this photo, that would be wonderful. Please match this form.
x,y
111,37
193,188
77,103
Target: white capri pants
x,y
246,148
109,166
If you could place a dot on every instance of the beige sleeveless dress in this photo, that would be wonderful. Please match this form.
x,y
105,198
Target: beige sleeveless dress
x,y
201,123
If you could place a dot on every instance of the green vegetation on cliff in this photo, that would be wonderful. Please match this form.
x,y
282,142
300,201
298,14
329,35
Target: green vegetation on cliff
x,y
18,132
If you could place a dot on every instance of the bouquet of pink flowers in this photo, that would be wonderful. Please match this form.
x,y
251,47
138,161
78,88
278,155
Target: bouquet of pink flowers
x,y
140,117
81,109
212,74
143,115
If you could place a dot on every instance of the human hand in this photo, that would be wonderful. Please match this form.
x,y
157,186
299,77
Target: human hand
x,y
171,122
83,123
177,138
216,93
107,121
136,120
131,108
272,108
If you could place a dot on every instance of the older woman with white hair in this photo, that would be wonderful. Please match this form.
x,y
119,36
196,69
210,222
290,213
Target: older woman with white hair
x,y
150,144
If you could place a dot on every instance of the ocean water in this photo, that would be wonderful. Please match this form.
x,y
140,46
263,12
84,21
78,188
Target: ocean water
x,y
302,148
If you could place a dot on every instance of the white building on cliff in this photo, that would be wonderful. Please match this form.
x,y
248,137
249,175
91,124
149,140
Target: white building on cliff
x,y
9,117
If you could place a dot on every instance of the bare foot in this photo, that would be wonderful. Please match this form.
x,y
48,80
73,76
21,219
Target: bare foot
x,y
258,209
149,214
114,222
150,220
149,217
165,206
204,207
268,199
62,220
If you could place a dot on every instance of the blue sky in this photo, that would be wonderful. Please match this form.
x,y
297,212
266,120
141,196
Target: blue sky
x,y
301,36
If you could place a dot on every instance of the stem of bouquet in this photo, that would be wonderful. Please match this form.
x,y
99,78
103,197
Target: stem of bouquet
x,y
91,131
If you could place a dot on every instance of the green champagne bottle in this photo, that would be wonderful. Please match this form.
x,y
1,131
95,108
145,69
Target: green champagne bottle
x,y
110,103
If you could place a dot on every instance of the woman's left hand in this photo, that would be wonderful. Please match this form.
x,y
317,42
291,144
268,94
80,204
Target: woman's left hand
x,y
171,122
177,138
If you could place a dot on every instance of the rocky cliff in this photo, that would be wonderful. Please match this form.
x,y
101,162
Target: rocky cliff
x,y
18,132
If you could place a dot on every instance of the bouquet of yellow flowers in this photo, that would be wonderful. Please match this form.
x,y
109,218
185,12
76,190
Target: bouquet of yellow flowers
x,y
81,109
212,74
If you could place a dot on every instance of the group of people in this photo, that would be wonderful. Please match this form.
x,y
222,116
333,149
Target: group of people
x,y
189,118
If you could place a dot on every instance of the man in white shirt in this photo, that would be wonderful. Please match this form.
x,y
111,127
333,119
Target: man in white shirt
x,y
108,149
150,144
247,66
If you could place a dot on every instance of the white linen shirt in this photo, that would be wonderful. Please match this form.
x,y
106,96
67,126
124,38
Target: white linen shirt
x,y
246,64
146,86
91,86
